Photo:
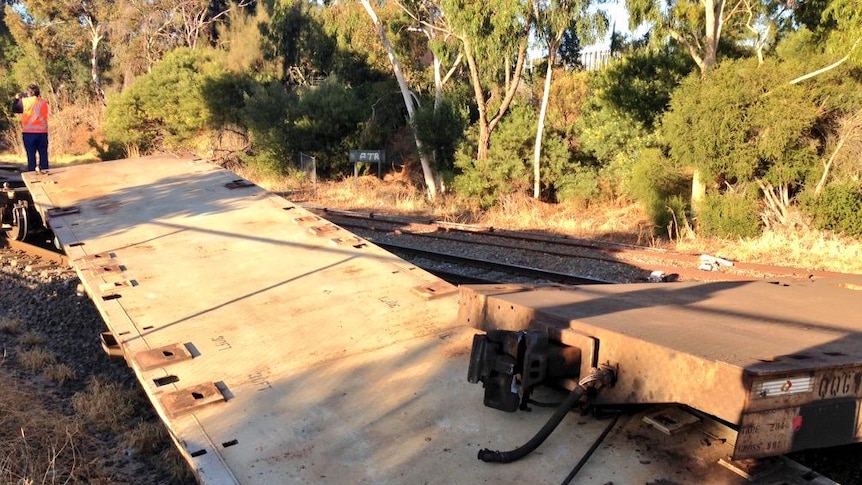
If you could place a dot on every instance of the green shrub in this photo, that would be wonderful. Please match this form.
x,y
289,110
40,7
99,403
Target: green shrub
x,y
837,209
729,215
165,108
662,190
579,185
507,169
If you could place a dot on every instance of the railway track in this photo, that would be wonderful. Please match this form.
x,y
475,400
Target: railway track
x,y
597,260
484,271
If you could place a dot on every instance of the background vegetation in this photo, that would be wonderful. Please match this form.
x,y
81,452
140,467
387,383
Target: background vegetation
x,y
717,128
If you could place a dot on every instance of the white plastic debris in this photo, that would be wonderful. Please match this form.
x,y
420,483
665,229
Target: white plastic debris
x,y
656,277
712,263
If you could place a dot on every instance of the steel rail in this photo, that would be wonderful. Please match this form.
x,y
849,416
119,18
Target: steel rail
x,y
533,273
439,236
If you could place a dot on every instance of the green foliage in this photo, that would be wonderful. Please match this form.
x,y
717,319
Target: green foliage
x,y
8,89
441,131
565,179
266,112
294,38
846,38
167,108
507,168
650,79
734,125
729,215
579,185
358,55
494,29
661,188
619,117
328,123
837,209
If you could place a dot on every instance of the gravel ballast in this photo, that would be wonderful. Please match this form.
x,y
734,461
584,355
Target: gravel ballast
x,y
41,307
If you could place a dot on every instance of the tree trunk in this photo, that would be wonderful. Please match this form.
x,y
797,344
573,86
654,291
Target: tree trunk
x,y
698,191
95,38
486,126
427,172
540,129
484,141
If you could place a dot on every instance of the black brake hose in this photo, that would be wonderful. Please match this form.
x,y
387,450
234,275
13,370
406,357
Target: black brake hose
x,y
592,450
490,456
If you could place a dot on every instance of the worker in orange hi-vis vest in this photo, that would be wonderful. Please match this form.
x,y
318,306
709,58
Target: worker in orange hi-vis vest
x,y
34,124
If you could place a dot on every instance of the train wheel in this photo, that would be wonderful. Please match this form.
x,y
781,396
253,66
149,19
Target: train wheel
x,y
18,231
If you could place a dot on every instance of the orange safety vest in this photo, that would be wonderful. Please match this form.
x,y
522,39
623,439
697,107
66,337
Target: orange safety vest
x,y
34,118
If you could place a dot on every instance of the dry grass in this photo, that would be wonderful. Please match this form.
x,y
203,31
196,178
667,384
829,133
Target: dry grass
x,y
801,248
37,446
147,437
10,326
32,339
104,404
32,356
59,373
176,465
36,359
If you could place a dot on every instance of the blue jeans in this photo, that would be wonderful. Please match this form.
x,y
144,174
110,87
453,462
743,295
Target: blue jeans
x,y
36,143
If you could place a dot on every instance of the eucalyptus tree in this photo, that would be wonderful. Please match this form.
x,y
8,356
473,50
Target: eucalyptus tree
x,y
840,23
699,27
408,97
554,18
494,35
63,29
696,25
430,21
195,19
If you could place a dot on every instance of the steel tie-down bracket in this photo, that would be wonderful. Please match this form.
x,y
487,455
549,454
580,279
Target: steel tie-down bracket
x,y
191,398
435,290
162,356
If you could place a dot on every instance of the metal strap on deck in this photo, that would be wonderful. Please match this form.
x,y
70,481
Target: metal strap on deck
x,y
323,230
435,290
162,356
191,398
238,184
348,241
62,211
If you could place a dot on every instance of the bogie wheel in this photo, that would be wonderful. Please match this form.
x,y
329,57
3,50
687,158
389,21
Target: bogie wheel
x,y
19,224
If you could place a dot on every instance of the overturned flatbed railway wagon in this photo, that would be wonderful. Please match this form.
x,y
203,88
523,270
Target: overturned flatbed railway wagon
x,y
280,348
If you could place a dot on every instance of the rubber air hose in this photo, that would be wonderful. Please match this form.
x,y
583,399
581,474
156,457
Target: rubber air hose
x,y
490,456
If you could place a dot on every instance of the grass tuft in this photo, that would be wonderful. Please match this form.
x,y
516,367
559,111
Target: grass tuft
x,y
147,437
10,326
104,404
36,359
32,339
59,373
36,446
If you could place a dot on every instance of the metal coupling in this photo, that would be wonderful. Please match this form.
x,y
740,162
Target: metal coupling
x,y
600,377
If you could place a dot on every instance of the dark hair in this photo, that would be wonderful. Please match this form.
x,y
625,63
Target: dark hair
x,y
33,90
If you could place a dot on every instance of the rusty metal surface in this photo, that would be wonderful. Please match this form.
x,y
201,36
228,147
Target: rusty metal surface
x,y
756,354
191,398
46,254
162,356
